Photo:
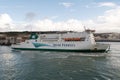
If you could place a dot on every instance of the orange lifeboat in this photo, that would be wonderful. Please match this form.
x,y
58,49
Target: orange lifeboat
x,y
72,39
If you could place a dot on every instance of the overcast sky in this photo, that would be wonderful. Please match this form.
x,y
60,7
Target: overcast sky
x,y
59,15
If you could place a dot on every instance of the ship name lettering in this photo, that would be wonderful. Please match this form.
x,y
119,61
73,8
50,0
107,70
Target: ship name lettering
x,y
64,45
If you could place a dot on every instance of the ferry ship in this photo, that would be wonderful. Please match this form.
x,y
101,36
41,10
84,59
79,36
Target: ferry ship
x,y
69,41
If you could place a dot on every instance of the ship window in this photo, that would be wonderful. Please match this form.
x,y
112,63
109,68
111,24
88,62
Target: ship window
x,y
82,39
74,39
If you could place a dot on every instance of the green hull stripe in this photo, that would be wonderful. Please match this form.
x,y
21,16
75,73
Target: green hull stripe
x,y
64,50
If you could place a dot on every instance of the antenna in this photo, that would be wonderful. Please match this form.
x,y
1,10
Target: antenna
x,y
84,28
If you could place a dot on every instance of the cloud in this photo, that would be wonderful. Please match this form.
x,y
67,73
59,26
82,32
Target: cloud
x,y
66,4
109,22
52,17
30,16
5,22
5,18
107,4
49,25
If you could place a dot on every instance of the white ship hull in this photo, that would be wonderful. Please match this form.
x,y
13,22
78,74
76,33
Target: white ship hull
x,y
63,46
87,45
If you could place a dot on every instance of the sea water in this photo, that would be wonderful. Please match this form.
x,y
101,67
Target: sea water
x,y
45,65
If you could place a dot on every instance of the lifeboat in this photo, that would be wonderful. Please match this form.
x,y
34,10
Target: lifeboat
x,y
72,39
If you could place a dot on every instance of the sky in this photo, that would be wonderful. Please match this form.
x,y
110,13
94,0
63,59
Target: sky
x,y
60,15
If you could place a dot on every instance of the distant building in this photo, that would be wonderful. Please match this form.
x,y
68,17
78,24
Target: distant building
x,y
8,38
